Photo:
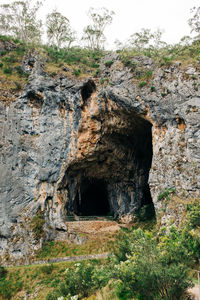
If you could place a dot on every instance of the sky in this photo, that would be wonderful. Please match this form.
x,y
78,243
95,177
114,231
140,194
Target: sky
x,y
130,16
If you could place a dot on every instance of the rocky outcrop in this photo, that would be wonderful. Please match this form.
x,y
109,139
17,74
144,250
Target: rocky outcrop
x,y
82,148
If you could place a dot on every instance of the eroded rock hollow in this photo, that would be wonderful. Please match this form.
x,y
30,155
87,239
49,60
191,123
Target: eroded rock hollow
x,y
113,157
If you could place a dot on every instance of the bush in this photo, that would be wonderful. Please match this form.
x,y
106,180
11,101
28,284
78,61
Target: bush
x,y
3,272
77,72
145,270
142,84
78,281
109,63
7,71
47,269
165,194
1,65
37,225
9,286
194,214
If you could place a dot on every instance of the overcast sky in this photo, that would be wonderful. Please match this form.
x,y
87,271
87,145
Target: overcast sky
x,y
130,16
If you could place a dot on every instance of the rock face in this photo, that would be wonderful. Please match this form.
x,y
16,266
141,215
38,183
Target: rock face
x,y
74,147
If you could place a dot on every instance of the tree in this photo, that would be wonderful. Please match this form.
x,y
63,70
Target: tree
x,y
194,22
59,31
145,38
19,19
94,34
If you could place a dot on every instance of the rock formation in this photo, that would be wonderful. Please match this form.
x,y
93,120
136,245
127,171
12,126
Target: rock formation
x,y
92,148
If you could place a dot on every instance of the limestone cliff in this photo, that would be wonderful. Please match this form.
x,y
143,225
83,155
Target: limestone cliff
x,y
82,147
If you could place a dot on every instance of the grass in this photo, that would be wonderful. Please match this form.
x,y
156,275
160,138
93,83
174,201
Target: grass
x,y
94,245
38,279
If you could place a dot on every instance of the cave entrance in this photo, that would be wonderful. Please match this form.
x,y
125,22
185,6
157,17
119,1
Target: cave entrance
x,y
92,198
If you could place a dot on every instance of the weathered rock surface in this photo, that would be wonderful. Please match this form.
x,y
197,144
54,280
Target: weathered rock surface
x,y
64,141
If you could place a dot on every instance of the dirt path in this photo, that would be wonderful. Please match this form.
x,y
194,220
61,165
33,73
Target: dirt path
x,y
67,258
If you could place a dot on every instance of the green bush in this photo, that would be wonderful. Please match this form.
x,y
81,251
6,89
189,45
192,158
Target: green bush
x,y
77,72
109,63
47,269
194,214
153,89
78,281
166,194
3,272
9,286
37,225
1,65
7,71
142,84
148,271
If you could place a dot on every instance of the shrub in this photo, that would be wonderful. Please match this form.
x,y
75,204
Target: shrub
x,y
47,269
152,88
9,286
3,272
78,281
37,225
165,194
194,214
77,72
19,70
1,65
142,84
145,270
7,71
109,63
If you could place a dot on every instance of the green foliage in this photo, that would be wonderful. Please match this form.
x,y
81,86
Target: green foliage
x,y
149,269
10,59
166,194
152,88
3,272
1,65
194,214
19,19
78,281
59,31
9,286
37,225
142,84
47,269
77,72
7,71
109,63
94,33
104,80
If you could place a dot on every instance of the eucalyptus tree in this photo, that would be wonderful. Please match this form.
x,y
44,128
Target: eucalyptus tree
x,y
59,31
19,19
194,21
94,34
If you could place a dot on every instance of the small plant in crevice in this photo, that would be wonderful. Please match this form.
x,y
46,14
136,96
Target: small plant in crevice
x,y
142,84
37,225
194,214
166,194
77,72
152,88
109,63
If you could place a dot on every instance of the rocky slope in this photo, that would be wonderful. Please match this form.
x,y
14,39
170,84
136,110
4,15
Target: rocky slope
x,y
102,146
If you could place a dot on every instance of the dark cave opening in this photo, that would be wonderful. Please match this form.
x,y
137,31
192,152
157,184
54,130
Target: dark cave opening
x,y
113,179
92,198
